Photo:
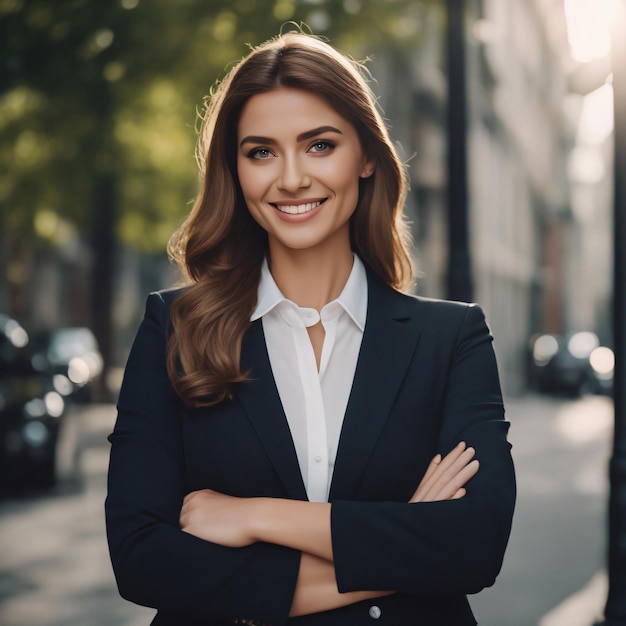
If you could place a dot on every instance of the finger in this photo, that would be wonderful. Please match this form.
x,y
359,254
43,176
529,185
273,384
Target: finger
x,y
436,466
190,496
423,486
189,506
435,472
432,466
459,494
451,465
183,518
452,477
446,490
191,502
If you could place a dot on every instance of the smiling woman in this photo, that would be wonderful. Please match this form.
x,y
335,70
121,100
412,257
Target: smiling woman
x,y
298,441
230,241
301,181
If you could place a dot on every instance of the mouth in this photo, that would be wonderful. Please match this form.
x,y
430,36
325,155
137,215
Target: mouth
x,y
298,209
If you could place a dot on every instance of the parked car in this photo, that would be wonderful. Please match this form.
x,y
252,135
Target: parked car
x,y
72,352
32,404
571,365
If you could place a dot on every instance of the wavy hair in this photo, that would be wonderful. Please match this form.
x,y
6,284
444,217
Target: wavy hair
x,y
220,248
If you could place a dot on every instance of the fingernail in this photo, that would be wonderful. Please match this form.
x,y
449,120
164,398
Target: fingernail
x,y
437,459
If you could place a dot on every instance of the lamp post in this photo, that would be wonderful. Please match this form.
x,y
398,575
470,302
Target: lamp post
x,y
615,611
459,284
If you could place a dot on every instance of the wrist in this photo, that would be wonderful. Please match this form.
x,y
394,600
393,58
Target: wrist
x,y
258,519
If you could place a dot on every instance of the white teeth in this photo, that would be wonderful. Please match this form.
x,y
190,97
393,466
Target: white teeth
x,y
295,209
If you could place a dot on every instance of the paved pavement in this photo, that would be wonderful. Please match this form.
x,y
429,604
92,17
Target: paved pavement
x,y
553,573
55,571
54,563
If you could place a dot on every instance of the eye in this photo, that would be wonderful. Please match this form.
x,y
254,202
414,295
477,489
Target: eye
x,y
321,146
260,153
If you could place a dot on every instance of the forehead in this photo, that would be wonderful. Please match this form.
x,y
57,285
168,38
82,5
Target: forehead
x,y
284,110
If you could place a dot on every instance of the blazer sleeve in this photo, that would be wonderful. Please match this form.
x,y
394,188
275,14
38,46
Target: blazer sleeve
x,y
441,548
155,563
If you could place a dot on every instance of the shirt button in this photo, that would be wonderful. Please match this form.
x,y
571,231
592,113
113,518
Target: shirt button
x,y
375,612
318,458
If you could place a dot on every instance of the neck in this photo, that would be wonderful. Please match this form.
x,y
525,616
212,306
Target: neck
x,y
308,278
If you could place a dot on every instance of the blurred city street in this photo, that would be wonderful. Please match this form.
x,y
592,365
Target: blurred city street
x,y
510,122
55,569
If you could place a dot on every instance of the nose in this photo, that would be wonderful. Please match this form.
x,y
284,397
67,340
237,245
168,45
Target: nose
x,y
293,175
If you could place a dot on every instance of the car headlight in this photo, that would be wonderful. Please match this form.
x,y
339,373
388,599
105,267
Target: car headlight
x,y
582,344
16,334
602,361
544,349
78,371
54,404
62,384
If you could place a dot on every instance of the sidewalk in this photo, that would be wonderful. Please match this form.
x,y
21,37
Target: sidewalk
x,y
574,423
584,608
553,569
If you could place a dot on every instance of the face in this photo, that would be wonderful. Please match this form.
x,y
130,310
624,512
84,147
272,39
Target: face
x,y
299,164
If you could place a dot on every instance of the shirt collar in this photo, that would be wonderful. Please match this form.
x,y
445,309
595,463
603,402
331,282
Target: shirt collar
x,y
268,294
353,297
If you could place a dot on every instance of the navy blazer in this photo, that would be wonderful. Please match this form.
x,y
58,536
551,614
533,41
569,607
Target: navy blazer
x,y
426,379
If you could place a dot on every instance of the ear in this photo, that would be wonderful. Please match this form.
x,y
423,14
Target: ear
x,y
369,167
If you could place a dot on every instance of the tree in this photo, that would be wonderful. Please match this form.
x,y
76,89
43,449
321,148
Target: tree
x,y
98,104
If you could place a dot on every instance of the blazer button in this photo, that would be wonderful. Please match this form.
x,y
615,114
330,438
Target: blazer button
x,y
375,612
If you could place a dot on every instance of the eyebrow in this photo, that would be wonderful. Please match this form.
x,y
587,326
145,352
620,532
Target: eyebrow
x,y
301,137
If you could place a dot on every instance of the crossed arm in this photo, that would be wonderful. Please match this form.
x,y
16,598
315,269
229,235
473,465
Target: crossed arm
x,y
305,526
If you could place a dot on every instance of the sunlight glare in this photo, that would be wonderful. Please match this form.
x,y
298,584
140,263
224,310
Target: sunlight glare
x,y
588,419
596,120
588,28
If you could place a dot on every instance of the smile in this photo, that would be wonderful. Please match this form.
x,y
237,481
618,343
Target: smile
x,y
297,209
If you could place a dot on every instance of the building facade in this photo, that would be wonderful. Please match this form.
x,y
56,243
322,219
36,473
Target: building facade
x,y
539,237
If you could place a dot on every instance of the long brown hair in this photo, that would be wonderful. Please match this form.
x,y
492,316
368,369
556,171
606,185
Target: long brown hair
x,y
220,248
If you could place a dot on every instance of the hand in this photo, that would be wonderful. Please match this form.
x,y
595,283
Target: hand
x,y
218,518
446,479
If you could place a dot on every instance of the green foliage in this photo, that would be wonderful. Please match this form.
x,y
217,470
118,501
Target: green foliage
x,y
91,88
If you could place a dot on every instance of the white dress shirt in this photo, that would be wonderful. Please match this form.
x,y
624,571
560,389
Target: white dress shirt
x,y
314,402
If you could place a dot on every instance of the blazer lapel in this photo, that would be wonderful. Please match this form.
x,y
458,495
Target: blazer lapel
x,y
261,402
388,344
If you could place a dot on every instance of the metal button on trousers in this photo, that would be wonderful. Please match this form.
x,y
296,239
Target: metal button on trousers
x,y
375,612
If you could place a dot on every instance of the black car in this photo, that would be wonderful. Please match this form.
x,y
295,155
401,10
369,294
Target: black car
x,y
71,352
572,364
32,404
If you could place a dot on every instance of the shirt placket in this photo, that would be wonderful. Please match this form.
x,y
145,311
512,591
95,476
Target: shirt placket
x,y
317,442
329,317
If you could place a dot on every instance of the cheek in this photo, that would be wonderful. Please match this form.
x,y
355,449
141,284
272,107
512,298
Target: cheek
x,y
256,213
253,180
244,177
343,175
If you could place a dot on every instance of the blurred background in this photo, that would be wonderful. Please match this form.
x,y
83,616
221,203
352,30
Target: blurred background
x,y
98,120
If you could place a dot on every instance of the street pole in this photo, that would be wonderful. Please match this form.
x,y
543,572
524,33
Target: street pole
x,y
459,283
615,611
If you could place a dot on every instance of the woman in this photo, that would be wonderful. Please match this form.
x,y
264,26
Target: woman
x,y
278,451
